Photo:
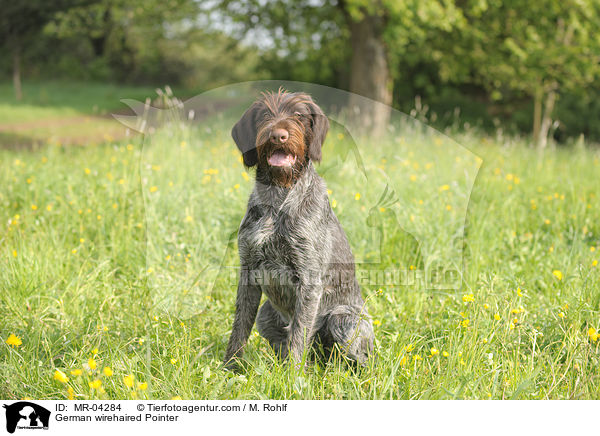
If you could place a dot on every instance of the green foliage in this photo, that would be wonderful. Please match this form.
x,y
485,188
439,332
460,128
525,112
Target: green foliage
x,y
496,57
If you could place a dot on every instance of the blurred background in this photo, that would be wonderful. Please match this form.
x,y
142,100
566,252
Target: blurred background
x,y
521,67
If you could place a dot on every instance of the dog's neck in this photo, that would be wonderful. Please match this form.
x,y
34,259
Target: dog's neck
x,y
274,195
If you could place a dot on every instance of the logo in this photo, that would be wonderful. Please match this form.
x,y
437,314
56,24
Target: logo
x,y
26,415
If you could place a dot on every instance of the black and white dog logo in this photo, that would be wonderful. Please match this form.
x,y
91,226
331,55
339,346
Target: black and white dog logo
x,y
26,415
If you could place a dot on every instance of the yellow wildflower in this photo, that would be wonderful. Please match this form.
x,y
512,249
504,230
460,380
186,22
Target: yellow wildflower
x,y
153,188
92,363
445,354
60,376
519,292
95,384
76,372
593,334
176,397
497,317
107,371
70,393
14,341
465,323
557,274
357,196
142,386
595,263
468,298
128,380
434,351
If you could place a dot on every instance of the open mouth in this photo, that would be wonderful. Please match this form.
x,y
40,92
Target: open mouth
x,y
281,159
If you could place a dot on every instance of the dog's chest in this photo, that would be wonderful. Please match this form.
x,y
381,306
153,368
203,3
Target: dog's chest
x,y
269,253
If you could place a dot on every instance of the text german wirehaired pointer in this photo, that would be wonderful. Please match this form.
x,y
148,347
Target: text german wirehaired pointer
x,y
291,245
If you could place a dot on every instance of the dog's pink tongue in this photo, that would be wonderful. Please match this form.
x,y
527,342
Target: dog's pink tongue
x,y
281,159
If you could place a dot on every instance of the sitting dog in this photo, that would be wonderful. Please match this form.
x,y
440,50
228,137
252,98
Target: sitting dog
x,y
291,245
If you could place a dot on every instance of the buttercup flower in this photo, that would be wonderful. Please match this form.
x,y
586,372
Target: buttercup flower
x,y
14,341
60,376
128,380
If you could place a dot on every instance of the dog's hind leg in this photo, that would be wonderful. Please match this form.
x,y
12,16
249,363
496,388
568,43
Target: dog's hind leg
x,y
350,327
272,326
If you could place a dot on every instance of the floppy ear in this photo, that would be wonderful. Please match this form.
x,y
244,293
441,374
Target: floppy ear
x,y
320,126
244,135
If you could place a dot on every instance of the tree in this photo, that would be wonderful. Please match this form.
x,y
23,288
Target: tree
x,y
538,48
21,21
376,33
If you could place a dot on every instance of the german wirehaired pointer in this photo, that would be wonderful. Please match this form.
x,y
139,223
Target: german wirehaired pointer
x,y
291,245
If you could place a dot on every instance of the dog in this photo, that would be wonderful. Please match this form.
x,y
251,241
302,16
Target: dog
x,y
291,245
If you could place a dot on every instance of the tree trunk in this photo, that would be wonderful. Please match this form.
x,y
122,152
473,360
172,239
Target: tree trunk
x,y
369,75
17,72
537,115
546,120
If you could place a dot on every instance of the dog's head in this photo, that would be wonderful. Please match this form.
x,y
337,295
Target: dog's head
x,y
280,133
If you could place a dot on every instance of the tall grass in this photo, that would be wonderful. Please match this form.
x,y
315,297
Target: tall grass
x,y
119,253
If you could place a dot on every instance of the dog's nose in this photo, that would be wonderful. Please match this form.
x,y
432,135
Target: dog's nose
x,y
279,136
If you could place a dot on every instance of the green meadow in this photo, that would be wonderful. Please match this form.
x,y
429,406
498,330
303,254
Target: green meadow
x,y
117,268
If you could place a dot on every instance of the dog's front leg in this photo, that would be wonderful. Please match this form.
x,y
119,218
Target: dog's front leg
x,y
246,306
302,326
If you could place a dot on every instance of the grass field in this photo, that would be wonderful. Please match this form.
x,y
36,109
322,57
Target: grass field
x,y
62,112
112,288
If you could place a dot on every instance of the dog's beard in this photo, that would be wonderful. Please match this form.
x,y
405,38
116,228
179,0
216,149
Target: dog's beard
x,y
284,175
282,164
